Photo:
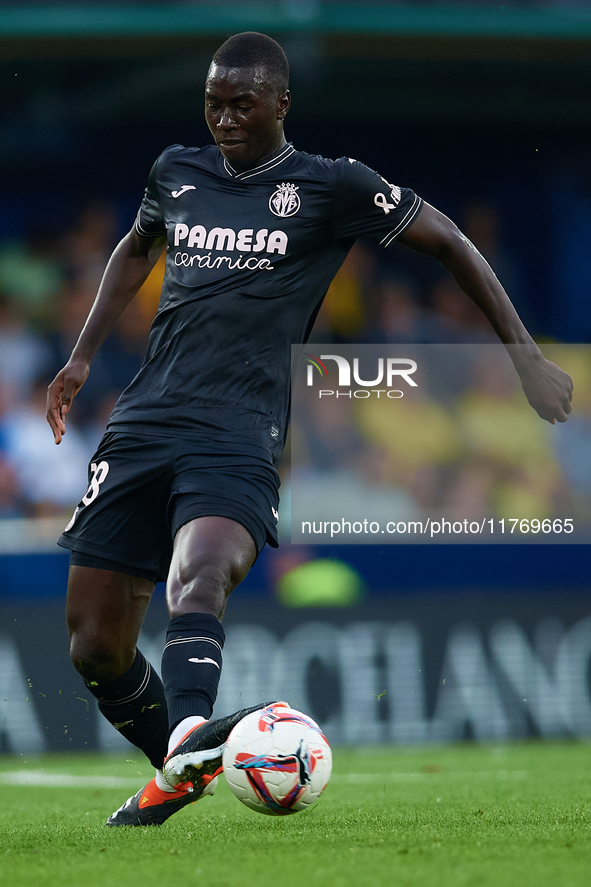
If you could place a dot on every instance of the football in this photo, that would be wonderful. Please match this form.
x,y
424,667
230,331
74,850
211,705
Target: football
x,y
277,760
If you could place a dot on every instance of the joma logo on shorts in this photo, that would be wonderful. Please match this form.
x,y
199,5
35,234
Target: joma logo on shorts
x,y
226,239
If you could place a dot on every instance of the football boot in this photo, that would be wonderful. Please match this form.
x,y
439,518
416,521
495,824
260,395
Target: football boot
x,y
152,806
198,755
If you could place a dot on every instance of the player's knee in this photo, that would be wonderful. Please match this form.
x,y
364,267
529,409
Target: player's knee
x,y
98,658
199,586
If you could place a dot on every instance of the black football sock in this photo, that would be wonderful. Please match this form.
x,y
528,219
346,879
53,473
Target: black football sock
x,y
192,665
135,705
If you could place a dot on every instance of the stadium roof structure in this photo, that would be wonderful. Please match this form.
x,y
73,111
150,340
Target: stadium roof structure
x,y
73,72
312,16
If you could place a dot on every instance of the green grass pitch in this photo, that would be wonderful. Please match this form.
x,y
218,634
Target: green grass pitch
x,y
460,815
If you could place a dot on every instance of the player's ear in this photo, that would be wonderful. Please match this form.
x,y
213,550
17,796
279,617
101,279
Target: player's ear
x,y
283,104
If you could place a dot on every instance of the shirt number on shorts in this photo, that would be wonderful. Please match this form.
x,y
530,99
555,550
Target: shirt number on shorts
x,y
99,473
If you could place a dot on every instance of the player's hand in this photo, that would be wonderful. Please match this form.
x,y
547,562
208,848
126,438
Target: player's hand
x,y
549,389
61,393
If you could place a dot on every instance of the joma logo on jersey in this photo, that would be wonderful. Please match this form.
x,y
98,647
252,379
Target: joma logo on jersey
x,y
284,201
226,239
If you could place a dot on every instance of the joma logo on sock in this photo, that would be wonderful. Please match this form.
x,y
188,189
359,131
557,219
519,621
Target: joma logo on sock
x,y
205,659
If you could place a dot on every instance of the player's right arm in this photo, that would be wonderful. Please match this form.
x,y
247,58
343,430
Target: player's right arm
x,y
126,271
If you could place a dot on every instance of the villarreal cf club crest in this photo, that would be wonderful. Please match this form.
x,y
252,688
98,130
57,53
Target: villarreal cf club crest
x,y
285,200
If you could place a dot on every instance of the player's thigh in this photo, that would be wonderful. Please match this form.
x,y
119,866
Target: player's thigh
x,y
211,556
122,517
104,611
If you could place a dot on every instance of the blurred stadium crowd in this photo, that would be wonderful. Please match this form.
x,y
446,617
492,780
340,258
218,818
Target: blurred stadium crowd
x,y
47,285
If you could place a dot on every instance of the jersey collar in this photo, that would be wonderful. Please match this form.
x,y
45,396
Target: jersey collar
x,y
282,154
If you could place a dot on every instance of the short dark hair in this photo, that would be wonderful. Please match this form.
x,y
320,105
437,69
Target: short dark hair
x,y
253,50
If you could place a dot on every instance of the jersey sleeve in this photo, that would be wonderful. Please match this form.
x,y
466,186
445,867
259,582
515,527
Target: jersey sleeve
x,y
149,221
367,205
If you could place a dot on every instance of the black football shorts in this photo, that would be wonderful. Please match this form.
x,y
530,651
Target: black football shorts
x,y
142,488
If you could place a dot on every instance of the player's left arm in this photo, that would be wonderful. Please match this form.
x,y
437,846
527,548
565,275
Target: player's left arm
x,y
547,387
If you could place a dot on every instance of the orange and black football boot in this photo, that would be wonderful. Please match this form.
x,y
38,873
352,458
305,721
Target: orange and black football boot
x,y
198,756
152,806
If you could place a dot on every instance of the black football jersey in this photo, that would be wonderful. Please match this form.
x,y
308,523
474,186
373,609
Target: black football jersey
x,y
250,257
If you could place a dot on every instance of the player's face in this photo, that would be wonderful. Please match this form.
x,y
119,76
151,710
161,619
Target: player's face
x,y
244,113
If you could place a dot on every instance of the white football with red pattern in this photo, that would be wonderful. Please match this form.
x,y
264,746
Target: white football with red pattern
x,y
277,760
